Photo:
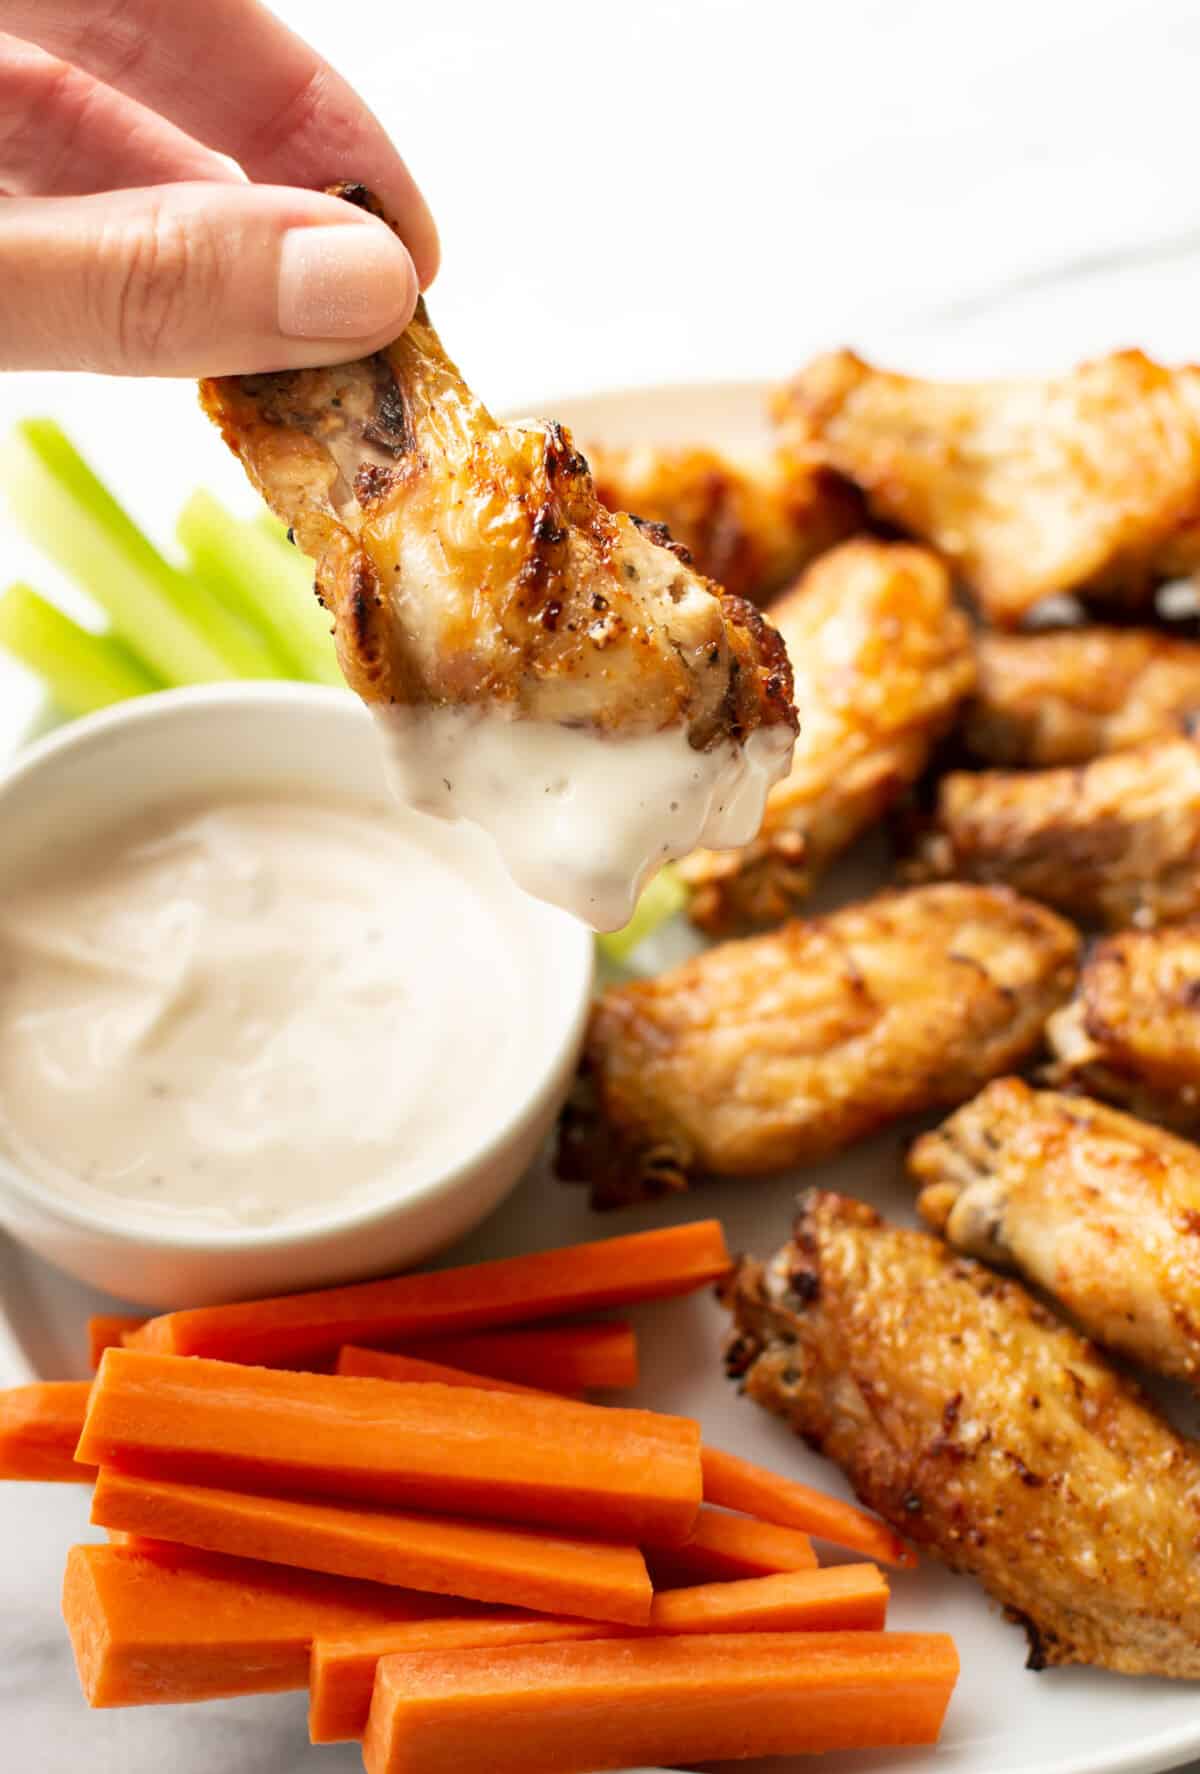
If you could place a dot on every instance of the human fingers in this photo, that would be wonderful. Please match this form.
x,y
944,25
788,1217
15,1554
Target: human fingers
x,y
232,75
62,133
197,279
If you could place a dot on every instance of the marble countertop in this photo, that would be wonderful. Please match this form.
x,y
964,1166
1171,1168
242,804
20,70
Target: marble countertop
x,y
653,191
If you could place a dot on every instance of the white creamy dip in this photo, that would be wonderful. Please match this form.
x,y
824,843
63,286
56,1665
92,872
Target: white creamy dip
x,y
243,1010
580,819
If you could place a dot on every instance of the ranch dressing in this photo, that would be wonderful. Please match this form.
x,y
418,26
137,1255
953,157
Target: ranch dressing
x,y
246,1010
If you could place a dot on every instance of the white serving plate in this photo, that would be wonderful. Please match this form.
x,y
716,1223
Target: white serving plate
x,y
1003,1719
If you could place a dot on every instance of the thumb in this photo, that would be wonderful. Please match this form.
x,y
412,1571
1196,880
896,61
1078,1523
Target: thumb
x,y
197,279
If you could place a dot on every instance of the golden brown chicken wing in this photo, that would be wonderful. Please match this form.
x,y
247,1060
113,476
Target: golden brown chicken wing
x,y
1100,1210
1070,695
975,1423
784,1048
1113,842
1131,1033
750,523
1086,483
881,660
509,623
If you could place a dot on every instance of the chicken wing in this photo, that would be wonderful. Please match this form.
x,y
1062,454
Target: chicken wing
x,y
982,1428
881,660
749,523
1070,695
507,621
1086,483
1131,1033
1100,1210
1113,842
784,1048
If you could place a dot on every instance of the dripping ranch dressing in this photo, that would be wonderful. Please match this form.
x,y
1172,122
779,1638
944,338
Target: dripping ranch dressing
x,y
245,1010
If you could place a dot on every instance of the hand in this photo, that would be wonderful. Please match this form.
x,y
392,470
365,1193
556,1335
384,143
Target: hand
x,y
130,244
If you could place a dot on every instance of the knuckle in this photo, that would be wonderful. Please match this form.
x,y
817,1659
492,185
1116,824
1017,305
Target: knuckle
x,y
43,102
167,280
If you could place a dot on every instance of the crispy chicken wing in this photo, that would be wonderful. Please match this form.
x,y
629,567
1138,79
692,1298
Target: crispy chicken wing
x,y
881,660
1113,842
786,1047
1069,695
1099,1209
1086,483
1131,1033
473,575
975,1423
749,523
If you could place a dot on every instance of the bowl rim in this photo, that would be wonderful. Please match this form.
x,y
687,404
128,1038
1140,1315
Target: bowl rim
x,y
574,941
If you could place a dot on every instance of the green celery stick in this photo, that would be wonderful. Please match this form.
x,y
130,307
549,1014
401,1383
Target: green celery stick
x,y
172,620
662,898
82,670
272,584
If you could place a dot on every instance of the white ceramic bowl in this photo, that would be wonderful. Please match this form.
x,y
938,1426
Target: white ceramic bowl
x,y
251,737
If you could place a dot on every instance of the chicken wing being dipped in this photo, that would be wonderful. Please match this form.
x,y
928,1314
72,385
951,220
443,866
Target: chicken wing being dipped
x,y
1100,1210
784,1048
1067,696
881,659
1113,842
1131,1033
555,673
967,1416
751,523
1086,483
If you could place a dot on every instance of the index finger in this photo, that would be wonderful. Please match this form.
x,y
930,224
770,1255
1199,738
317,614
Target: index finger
x,y
232,75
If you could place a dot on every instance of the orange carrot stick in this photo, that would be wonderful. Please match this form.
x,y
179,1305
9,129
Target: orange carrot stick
x,y
623,1703
511,1290
735,1483
481,1562
624,1474
385,1364
723,1546
842,1598
106,1330
39,1427
342,1670
147,1628
557,1358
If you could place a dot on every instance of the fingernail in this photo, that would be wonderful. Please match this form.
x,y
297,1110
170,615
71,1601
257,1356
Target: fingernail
x,y
348,282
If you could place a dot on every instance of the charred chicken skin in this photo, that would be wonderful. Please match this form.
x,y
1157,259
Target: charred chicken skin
x,y
1113,842
750,523
882,659
1100,1210
982,1428
784,1048
1086,483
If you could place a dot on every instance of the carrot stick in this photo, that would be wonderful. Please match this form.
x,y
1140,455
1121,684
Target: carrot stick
x,y
342,1670
39,1427
147,1628
106,1330
623,1703
385,1364
843,1598
735,1483
512,1290
625,1474
723,1546
481,1562
560,1358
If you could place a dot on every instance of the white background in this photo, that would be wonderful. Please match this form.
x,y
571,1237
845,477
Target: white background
x,y
639,191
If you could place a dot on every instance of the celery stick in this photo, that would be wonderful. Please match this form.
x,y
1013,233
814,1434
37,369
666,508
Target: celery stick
x,y
82,671
174,622
661,899
273,584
